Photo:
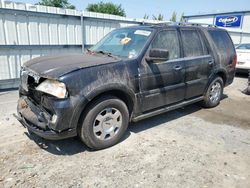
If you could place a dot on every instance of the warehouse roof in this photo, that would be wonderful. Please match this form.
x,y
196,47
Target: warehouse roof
x,y
216,13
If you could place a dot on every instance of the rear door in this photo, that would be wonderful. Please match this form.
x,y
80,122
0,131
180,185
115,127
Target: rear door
x,y
198,61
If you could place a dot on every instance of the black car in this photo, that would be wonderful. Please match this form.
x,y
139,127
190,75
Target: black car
x,y
131,74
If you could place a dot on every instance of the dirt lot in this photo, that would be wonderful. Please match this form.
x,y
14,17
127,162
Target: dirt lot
x,y
189,147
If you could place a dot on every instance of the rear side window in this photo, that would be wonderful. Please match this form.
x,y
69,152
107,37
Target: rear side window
x,y
192,44
222,41
168,40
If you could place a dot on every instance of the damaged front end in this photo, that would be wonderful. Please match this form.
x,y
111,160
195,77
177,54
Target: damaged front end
x,y
44,107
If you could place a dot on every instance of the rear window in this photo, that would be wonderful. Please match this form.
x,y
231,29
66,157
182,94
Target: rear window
x,y
222,40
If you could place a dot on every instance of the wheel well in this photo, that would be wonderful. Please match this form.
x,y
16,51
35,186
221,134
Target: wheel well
x,y
120,95
116,93
223,76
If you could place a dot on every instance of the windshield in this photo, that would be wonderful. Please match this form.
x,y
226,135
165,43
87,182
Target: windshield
x,y
243,46
125,43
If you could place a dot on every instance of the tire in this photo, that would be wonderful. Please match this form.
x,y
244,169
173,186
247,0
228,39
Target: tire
x,y
214,93
104,123
248,90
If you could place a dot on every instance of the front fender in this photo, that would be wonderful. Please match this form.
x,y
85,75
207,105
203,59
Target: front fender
x,y
111,87
87,97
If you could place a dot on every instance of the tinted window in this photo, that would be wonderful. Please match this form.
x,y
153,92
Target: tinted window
x,y
192,44
222,41
168,40
224,45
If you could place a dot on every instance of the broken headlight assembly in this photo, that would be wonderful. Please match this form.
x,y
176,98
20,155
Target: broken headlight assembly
x,y
53,87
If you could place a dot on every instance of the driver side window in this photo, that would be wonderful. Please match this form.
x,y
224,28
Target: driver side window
x,y
168,40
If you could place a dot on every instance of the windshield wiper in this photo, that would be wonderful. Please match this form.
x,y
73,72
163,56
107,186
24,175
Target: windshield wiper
x,y
88,50
106,53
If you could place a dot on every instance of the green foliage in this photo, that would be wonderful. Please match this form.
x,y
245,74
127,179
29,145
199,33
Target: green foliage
x,y
57,3
173,17
146,16
160,17
182,17
107,8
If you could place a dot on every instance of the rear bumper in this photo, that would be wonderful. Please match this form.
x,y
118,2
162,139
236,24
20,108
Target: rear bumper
x,y
39,121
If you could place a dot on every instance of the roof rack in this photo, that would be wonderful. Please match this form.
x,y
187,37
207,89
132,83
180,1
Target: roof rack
x,y
156,23
168,23
195,24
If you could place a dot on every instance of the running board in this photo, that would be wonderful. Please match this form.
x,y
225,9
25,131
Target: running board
x,y
166,109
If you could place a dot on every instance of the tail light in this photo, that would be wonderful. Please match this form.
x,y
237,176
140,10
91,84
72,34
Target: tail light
x,y
235,60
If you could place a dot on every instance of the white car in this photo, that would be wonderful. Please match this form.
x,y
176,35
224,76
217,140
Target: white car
x,y
243,56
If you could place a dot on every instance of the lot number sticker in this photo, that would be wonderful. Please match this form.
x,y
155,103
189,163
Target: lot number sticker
x,y
142,32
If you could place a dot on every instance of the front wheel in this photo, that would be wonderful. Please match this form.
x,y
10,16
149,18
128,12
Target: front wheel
x,y
105,122
214,93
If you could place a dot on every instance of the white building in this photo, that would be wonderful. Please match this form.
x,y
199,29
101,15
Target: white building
x,y
237,23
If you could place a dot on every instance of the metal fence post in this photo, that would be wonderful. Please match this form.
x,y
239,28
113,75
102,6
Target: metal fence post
x,y
83,33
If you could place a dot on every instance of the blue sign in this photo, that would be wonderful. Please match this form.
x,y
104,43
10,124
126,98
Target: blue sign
x,y
228,21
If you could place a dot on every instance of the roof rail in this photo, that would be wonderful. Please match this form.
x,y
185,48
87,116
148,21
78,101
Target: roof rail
x,y
167,23
156,23
196,24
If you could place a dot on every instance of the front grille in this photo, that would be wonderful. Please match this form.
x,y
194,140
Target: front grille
x,y
241,63
35,95
29,82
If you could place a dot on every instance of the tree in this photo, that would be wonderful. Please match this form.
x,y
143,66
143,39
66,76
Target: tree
x,y
182,17
146,16
108,8
57,3
173,17
160,17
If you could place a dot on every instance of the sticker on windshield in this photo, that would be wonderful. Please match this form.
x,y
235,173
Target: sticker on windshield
x,y
142,32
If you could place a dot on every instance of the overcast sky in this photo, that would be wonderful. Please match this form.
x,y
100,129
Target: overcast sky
x,y
138,8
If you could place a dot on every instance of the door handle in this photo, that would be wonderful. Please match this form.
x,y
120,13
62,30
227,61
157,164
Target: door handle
x,y
211,62
177,67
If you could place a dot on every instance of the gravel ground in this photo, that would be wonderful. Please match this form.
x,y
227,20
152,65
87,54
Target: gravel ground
x,y
189,147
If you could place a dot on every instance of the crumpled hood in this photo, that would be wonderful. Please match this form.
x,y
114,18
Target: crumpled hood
x,y
56,66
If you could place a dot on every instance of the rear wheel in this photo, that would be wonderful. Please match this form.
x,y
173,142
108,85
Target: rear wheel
x,y
105,122
214,93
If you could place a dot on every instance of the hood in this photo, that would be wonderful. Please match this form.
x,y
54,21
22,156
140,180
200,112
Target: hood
x,y
56,66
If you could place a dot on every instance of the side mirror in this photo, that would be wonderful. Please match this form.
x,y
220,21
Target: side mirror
x,y
157,55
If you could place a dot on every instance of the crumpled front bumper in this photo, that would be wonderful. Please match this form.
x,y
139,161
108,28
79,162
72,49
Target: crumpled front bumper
x,y
38,121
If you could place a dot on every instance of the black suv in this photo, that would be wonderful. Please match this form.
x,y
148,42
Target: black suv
x,y
131,74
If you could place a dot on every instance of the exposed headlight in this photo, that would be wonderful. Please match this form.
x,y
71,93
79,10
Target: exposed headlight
x,y
53,87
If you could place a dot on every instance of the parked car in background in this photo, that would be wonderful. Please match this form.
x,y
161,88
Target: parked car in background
x,y
243,56
131,74
248,88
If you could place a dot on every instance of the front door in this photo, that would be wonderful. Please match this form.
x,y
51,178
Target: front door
x,y
163,83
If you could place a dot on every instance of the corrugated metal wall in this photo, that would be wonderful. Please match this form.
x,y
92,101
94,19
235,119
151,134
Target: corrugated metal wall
x,y
29,31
